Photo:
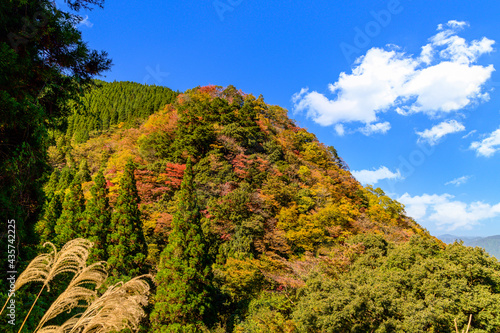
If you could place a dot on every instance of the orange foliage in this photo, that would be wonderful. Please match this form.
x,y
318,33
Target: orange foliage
x,y
173,175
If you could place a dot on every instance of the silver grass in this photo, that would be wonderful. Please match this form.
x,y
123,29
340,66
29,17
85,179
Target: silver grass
x,y
45,267
77,294
71,259
120,307
64,328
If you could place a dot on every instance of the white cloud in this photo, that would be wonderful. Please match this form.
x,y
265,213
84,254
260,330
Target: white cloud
x,y
370,129
489,145
447,213
458,181
374,176
339,128
86,22
442,79
433,135
469,134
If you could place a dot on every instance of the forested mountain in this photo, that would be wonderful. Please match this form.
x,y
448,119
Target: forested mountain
x,y
248,222
490,244
115,103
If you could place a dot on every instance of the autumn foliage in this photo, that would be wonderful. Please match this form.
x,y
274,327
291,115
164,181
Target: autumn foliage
x,y
275,205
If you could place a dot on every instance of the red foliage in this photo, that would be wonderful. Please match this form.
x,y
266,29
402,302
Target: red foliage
x,y
209,90
174,174
163,222
240,164
145,182
262,164
227,188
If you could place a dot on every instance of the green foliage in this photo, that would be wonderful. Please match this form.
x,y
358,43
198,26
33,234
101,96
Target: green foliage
x,y
270,312
182,297
45,63
416,286
97,219
68,226
127,248
115,103
84,172
52,211
232,219
65,179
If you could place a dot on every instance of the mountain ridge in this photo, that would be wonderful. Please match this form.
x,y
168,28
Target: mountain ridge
x,y
490,244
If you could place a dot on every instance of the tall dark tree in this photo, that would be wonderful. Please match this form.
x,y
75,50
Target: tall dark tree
x,y
182,295
68,226
44,64
97,219
52,211
51,187
127,248
65,179
84,171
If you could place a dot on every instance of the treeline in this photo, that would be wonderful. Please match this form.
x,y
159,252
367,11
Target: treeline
x,y
115,103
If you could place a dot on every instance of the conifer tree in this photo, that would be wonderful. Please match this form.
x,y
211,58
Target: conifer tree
x,y
69,223
52,185
52,212
65,178
84,171
127,247
97,219
182,296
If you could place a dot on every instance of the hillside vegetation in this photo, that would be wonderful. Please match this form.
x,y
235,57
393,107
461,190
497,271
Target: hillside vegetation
x,y
248,222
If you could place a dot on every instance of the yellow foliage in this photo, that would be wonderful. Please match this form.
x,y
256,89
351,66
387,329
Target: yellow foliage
x,y
301,229
304,174
312,152
382,208
241,278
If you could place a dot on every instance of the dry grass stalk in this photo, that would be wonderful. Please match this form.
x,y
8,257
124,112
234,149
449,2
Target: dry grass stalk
x,y
45,267
71,259
77,294
468,325
120,307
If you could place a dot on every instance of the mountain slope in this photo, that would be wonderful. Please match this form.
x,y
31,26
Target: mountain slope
x,y
283,220
292,193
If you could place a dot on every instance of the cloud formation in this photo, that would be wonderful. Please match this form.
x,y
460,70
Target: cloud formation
x,y
372,177
370,129
447,213
434,134
442,79
458,181
488,146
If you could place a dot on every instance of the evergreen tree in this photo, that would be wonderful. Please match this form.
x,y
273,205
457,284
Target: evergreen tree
x,y
52,212
68,226
52,185
127,246
65,179
182,297
44,63
97,218
84,171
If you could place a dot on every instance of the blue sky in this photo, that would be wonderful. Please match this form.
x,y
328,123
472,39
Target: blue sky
x,y
407,91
